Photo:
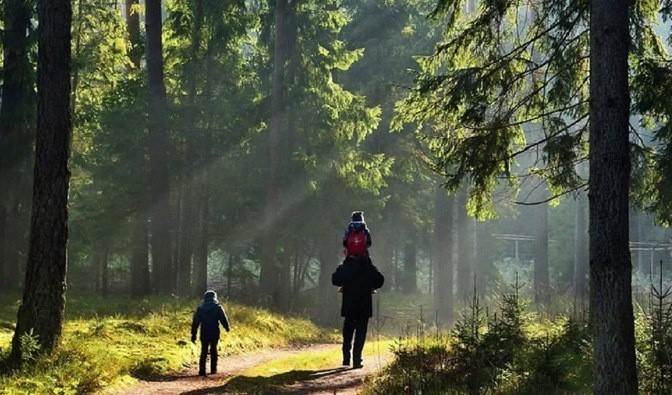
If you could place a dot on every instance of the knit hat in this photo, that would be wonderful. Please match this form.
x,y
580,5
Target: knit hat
x,y
358,216
210,296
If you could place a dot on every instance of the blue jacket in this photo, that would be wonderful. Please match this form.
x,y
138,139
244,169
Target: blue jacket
x,y
208,316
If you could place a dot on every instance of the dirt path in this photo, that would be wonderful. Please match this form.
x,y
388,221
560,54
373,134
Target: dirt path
x,y
340,380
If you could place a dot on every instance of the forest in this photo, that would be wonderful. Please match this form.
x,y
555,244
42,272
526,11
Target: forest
x,y
513,161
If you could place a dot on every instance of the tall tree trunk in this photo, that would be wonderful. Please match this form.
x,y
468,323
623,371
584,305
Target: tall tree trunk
x,y
201,243
410,282
270,269
186,236
133,28
140,277
185,240
611,311
17,116
443,252
580,251
101,261
140,282
41,310
158,154
327,297
464,283
481,258
384,251
541,281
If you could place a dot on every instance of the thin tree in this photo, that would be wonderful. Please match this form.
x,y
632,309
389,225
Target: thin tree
x,y
41,310
541,278
580,278
443,251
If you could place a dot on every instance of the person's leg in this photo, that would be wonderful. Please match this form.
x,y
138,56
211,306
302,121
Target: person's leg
x,y
348,330
204,356
213,355
361,326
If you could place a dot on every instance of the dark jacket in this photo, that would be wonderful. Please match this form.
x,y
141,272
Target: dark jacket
x,y
208,316
358,277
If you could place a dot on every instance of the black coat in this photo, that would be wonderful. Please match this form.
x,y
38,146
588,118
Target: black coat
x,y
209,315
358,277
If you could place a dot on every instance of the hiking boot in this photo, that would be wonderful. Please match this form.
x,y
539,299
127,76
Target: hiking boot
x,y
357,365
346,362
201,374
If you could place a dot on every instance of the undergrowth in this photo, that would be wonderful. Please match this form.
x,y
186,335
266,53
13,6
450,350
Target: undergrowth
x,y
508,351
512,351
110,342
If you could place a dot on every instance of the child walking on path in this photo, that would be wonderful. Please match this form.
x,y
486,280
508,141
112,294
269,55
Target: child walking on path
x,y
208,316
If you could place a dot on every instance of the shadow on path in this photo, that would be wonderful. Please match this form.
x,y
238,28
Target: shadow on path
x,y
287,383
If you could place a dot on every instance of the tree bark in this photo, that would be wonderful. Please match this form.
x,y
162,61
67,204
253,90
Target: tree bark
x,y
443,252
158,154
41,310
611,310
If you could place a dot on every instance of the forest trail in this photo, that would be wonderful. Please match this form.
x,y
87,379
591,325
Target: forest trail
x,y
230,378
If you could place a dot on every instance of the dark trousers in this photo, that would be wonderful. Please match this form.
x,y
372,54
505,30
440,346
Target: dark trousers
x,y
211,343
354,327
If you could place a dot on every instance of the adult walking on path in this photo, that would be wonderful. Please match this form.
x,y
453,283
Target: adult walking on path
x,y
208,316
358,278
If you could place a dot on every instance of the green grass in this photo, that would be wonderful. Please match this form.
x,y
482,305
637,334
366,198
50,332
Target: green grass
x,y
109,342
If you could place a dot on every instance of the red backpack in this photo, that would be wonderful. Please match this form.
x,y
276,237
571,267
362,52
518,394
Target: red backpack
x,y
356,242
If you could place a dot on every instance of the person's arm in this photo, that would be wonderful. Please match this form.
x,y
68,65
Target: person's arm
x,y
369,241
376,278
224,319
195,322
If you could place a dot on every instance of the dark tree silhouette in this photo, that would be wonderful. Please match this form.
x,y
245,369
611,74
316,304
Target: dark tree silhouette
x,y
41,310
269,276
17,131
158,154
610,266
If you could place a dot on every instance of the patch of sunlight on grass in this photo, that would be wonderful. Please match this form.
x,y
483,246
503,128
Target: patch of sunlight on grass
x,y
5,339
